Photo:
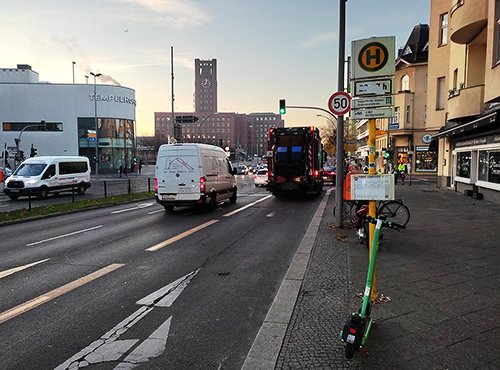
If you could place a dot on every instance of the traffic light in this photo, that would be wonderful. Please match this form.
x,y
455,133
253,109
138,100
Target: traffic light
x,y
33,152
282,106
21,155
388,154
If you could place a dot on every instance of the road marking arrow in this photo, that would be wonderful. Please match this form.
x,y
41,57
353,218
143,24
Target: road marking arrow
x,y
108,348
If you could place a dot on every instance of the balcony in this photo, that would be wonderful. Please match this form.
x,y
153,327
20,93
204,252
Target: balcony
x,y
467,20
466,102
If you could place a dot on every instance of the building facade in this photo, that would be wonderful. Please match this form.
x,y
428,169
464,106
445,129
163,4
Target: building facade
x,y
406,136
464,94
244,133
60,119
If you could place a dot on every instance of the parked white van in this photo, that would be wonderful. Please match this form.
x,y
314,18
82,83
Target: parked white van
x,y
49,174
190,174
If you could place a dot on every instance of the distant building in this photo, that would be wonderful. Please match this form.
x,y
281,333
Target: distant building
x,y
463,97
68,112
205,85
241,132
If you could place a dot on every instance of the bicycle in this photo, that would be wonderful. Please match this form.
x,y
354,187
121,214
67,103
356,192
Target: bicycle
x,y
393,210
357,327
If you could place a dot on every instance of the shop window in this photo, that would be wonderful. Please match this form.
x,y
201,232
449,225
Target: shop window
x,y
425,160
463,164
489,166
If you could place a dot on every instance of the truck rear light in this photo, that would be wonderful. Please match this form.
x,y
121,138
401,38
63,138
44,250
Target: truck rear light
x,y
156,185
202,184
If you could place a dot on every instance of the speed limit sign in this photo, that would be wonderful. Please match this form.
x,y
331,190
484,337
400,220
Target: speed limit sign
x,y
339,103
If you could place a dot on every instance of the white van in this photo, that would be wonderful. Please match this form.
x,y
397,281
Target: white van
x,y
49,174
193,174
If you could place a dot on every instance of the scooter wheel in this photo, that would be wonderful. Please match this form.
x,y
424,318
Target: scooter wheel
x,y
349,351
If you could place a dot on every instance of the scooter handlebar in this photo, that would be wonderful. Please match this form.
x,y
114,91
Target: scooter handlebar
x,y
385,223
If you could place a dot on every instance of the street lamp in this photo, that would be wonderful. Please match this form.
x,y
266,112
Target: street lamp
x,y
95,122
329,119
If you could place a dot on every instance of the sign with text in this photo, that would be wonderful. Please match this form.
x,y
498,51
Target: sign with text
x,y
373,87
373,57
372,113
372,187
372,102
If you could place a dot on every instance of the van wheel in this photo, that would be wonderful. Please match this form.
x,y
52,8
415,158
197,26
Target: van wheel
x,y
169,208
13,197
213,202
44,192
232,200
81,189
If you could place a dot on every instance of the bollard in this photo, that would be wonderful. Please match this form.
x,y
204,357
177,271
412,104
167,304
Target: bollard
x,y
29,201
73,193
129,186
105,190
149,184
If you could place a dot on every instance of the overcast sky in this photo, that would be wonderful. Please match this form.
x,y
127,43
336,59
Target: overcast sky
x,y
266,50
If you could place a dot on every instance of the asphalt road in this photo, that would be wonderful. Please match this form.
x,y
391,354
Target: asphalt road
x,y
132,284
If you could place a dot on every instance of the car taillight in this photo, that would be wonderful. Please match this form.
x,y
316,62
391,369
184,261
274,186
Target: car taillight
x,y
202,184
316,173
156,185
268,173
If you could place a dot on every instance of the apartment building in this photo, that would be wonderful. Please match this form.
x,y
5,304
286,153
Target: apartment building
x,y
463,97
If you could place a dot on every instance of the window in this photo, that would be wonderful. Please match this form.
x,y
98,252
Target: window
x,y
33,126
496,36
489,166
440,93
66,168
463,164
443,29
405,83
407,115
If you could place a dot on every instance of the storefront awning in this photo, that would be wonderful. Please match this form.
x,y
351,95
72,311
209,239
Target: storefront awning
x,y
469,126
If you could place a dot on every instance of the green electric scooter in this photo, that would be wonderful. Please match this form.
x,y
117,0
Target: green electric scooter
x,y
357,327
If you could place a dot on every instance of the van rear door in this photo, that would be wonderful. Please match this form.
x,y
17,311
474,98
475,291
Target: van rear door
x,y
179,174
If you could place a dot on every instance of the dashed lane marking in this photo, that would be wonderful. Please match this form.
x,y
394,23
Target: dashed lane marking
x,y
64,235
35,302
247,206
20,268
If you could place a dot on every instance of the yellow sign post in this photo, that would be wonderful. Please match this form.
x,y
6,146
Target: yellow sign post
x,y
372,205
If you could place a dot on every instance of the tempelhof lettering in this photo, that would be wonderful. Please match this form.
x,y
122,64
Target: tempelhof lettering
x,y
115,98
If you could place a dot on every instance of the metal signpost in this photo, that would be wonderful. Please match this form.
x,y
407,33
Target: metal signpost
x,y
373,74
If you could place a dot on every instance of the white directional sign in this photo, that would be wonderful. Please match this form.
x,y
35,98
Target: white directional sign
x,y
372,113
340,103
373,87
372,102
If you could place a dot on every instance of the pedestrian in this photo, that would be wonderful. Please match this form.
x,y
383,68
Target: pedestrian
x,y
140,166
132,168
120,170
125,171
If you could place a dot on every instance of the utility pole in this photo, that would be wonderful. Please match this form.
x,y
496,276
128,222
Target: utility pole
x,y
339,184
173,96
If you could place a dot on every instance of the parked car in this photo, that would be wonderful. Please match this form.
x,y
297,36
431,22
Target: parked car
x,y
6,171
261,177
329,174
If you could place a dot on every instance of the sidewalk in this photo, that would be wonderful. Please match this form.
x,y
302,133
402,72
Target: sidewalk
x,y
441,277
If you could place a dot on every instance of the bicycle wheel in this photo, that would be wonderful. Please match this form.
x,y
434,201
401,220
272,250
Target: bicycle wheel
x,y
395,211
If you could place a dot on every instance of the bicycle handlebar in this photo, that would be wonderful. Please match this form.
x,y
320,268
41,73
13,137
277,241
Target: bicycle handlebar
x,y
389,224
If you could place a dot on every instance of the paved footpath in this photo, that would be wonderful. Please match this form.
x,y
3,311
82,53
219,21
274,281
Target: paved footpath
x,y
440,277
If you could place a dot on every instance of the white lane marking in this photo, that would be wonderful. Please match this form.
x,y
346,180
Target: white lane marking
x,y
157,211
271,214
152,347
164,297
180,236
24,307
139,206
20,268
247,206
65,235
108,348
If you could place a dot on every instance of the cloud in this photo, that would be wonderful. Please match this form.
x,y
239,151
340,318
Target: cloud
x,y
176,13
324,38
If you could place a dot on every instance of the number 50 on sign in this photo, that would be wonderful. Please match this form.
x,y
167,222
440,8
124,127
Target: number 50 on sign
x,y
339,103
